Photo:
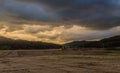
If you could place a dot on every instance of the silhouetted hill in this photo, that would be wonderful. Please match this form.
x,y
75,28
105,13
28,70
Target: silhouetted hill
x,y
103,43
111,42
111,39
6,43
3,39
76,43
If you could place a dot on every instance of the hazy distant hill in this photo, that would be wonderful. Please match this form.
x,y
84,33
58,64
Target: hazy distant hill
x,y
3,39
6,43
76,44
111,39
106,42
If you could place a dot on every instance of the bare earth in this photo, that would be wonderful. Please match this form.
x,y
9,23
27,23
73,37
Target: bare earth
x,y
55,61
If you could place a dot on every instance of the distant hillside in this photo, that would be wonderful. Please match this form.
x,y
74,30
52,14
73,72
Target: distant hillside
x,y
10,44
111,42
106,42
111,39
6,43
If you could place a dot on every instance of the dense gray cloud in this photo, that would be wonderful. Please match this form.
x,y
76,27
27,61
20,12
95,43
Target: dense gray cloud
x,y
29,11
95,14
56,19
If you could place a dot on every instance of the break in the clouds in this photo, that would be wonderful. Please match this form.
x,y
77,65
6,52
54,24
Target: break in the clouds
x,y
37,17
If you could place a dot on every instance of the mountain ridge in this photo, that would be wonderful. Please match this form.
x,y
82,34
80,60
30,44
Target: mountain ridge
x,y
106,42
11,44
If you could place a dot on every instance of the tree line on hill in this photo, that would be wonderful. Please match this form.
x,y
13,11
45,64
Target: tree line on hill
x,y
10,44
111,42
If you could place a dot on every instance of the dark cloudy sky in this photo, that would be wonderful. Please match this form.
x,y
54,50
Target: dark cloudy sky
x,y
59,21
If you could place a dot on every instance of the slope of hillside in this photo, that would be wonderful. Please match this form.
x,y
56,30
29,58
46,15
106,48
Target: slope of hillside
x,y
107,42
6,43
111,39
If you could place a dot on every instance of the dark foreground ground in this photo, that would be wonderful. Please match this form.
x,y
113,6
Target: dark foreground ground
x,y
59,61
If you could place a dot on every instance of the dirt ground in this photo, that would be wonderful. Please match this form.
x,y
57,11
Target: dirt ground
x,y
51,62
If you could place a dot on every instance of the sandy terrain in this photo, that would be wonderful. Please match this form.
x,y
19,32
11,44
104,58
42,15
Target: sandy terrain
x,y
44,62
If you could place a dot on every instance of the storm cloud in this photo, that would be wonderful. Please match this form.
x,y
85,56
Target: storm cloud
x,y
96,14
41,16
